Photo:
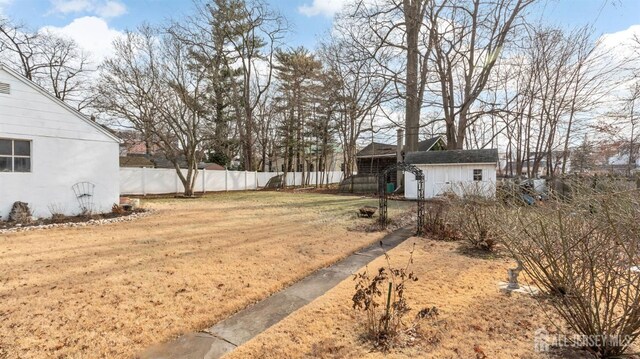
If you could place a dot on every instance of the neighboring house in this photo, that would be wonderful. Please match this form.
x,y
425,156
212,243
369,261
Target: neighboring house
x,y
210,166
46,147
509,166
136,161
133,143
455,171
375,157
620,164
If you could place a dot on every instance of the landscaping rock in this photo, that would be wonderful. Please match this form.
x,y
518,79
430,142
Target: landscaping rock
x,y
92,222
20,213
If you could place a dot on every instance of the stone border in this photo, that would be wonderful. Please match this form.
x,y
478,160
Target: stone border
x,y
91,222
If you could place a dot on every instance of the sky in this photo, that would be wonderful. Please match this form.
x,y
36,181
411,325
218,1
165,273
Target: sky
x,y
95,23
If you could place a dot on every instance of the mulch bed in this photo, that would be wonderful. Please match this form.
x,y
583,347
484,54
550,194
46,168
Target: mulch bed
x,y
68,219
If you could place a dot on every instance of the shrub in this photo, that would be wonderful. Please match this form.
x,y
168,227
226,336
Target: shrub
x,y
584,254
381,298
437,220
476,223
57,212
117,209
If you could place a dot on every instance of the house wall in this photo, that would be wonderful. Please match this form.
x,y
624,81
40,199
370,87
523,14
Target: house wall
x,y
65,150
457,178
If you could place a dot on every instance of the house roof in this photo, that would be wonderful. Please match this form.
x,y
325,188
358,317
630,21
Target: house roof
x,y
136,161
453,156
46,93
426,145
377,149
210,166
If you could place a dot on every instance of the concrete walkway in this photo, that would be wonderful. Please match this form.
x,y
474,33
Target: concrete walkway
x,y
236,330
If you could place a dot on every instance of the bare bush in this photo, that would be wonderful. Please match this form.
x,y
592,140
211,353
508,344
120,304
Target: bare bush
x,y
381,298
476,223
438,220
584,253
57,211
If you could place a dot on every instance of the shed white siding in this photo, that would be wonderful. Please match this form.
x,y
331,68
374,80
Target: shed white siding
x,y
65,149
453,177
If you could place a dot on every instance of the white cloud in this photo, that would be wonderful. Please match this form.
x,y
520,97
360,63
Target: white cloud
x,y
92,33
102,8
111,9
322,7
622,43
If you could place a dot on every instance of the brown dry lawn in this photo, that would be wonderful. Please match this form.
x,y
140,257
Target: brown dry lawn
x,y
113,290
476,320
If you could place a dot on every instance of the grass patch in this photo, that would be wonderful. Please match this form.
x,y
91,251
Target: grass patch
x,y
113,290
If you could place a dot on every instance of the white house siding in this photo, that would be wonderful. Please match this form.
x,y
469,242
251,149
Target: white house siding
x,y
457,178
65,149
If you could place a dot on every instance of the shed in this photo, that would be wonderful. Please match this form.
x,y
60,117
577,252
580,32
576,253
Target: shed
x,y
454,171
46,147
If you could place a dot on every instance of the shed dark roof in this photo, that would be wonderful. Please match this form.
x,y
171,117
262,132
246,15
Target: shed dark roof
x,y
383,149
453,156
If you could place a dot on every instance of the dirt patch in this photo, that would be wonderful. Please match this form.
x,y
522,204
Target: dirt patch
x,y
113,290
476,319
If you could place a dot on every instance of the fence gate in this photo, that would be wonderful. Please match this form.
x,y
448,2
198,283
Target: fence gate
x,y
382,192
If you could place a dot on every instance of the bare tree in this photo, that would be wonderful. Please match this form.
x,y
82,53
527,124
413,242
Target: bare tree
x,y
67,70
469,39
21,48
128,86
153,85
398,35
547,86
54,62
361,88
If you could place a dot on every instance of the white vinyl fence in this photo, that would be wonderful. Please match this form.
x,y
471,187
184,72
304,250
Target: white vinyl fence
x,y
143,181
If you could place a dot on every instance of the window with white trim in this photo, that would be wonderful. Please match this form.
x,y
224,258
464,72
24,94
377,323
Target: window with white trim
x,y
15,155
477,175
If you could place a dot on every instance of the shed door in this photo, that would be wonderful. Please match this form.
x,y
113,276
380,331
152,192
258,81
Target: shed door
x,y
440,180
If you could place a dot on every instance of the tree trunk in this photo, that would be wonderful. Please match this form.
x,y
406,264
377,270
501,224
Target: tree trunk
x,y
412,120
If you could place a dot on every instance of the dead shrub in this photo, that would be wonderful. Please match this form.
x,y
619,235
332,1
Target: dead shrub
x,y
381,298
476,223
438,221
57,212
584,253
118,210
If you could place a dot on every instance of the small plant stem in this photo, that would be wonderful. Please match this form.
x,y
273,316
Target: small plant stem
x,y
386,324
